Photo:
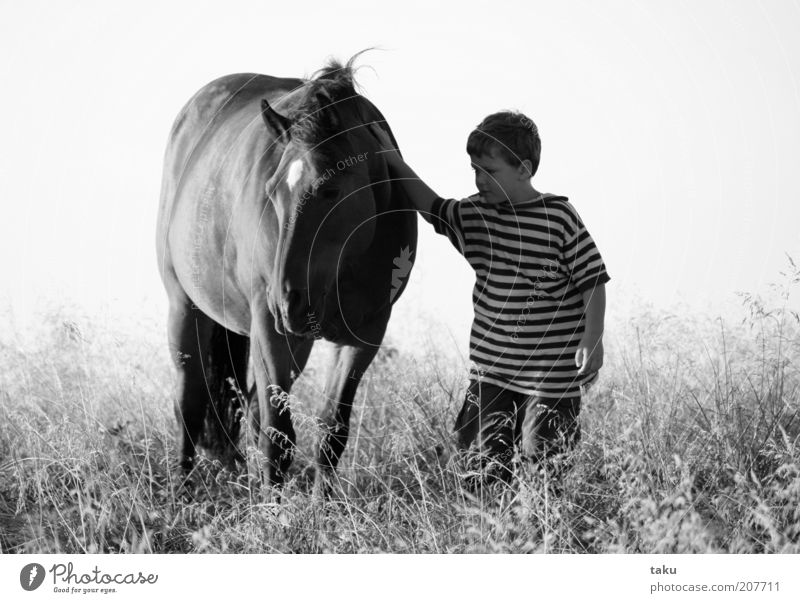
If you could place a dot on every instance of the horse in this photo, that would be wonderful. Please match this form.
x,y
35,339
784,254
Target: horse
x,y
278,225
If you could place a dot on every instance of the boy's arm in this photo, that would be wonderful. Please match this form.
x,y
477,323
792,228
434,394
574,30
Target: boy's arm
x,y
589,356
419,193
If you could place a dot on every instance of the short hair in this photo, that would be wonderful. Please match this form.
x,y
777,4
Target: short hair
x,y
511,134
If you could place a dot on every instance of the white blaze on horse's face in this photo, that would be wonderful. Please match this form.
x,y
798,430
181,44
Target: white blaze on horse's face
x,y
286,190
294,174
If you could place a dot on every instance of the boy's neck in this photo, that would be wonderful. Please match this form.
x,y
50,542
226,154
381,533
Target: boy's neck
x,y
524,194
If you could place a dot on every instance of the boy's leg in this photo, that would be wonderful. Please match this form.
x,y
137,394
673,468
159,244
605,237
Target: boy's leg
x,y
484,429
550,426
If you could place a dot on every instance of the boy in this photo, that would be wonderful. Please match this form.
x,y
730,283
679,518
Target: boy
x,y
539,297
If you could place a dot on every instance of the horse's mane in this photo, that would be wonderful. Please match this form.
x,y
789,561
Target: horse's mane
x,y
312,120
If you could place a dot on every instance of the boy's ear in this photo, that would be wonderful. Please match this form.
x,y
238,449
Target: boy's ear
x,y
526,168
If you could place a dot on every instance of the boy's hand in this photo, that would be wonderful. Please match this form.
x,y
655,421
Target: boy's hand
x,y
589,356
390,151
419,194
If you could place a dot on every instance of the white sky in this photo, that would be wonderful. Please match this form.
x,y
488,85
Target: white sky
x,y
672,126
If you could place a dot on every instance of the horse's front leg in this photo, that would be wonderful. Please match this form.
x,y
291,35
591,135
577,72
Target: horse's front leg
x,y
274,356
344,375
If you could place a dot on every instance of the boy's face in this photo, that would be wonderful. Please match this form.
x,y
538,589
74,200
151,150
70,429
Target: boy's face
x,y
496,179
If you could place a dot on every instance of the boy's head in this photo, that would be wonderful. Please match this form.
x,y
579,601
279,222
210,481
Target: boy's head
x,y
505,150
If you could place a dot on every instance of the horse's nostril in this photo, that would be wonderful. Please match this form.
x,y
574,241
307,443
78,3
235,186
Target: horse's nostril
x,y
295,307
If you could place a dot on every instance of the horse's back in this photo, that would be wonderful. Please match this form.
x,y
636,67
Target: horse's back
x,y
217,132
210,112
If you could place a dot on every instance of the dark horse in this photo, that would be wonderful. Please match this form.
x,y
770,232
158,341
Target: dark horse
x,y
278,225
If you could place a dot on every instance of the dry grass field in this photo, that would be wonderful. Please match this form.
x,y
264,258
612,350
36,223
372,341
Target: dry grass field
x,y
691,444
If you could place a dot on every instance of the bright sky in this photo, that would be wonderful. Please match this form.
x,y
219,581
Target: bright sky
x,y
672,126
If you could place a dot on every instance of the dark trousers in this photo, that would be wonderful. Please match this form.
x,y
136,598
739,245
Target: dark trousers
x,y
494,421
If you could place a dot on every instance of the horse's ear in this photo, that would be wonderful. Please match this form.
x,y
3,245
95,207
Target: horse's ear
x,y
323,99
324,102
277,123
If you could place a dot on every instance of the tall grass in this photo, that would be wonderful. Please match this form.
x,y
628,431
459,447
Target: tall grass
x,y
691,444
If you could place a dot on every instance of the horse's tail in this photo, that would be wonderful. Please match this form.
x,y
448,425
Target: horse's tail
x,y
226,371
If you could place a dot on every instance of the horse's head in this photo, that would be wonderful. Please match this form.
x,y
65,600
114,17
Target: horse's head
x,y
324,198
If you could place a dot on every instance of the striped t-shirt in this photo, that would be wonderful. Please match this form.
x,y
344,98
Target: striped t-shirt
x,y
532,261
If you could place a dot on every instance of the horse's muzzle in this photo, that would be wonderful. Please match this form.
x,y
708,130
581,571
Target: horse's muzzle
x,y
301,316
